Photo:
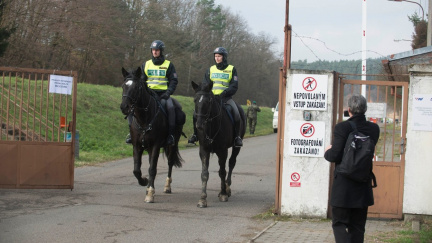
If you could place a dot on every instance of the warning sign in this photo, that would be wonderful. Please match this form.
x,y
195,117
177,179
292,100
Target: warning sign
x,y
295,177
306,138
307,130
309,92
309,84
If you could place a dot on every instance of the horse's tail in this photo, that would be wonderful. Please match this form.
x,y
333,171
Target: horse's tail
x,y
173,156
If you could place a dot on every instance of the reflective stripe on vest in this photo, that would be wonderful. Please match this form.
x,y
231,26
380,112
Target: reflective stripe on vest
x,y
156,74
220,78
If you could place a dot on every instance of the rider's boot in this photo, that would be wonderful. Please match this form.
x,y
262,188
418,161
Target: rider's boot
x,y
237,140
128,139
193,139
170,139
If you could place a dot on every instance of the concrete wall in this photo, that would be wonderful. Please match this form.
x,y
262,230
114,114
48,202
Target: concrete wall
x,y
417,197
310,199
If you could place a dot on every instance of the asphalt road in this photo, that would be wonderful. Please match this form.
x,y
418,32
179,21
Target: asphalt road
x,y
107,204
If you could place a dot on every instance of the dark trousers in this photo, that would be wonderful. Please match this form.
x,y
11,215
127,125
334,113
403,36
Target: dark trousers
x,y
349,224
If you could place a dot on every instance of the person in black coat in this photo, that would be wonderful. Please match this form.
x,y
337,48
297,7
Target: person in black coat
x,y
350,199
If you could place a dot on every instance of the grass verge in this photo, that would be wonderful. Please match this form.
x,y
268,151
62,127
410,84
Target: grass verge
x,y
103,129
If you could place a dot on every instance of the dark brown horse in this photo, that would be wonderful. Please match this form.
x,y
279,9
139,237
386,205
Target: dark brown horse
x,y
149,130
215,134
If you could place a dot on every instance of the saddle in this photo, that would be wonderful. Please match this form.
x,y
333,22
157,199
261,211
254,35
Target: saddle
x,y
180,116
230,112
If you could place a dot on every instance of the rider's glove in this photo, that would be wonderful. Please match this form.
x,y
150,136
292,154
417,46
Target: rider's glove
x,y
223,94
165,95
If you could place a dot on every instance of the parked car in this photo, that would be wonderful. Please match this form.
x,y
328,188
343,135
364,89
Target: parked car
x,y
275,117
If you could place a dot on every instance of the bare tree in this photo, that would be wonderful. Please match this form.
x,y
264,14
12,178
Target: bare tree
x,y
98,37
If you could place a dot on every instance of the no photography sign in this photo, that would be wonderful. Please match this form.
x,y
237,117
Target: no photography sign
x,y
306,138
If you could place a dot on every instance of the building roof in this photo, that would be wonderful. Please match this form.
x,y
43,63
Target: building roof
x,y
397,64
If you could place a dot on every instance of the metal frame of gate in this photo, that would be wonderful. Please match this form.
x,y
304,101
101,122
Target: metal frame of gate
x,y
389,161
37,137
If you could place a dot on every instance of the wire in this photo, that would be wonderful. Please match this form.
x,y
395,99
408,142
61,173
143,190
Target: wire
x,y
325,45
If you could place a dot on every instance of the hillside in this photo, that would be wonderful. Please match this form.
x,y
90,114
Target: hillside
x,y
374,66
102,127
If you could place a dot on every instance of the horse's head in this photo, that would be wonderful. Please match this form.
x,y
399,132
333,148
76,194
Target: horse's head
x,y
203,101
131,90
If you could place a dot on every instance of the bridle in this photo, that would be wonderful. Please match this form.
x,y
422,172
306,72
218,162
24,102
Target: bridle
x,y
134,100
207,117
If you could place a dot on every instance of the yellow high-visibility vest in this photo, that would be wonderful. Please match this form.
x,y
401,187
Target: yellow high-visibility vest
x,y
156,74
220,78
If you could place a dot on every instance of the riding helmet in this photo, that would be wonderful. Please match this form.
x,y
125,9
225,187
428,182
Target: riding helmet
x,y
222,51
157,44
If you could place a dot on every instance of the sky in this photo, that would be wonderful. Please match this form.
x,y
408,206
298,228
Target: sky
x,y
332,29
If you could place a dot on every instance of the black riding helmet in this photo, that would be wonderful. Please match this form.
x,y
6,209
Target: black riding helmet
x,y
222,51
157,44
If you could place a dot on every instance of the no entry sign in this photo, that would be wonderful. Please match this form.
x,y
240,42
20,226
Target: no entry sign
x,y
309,92
306,138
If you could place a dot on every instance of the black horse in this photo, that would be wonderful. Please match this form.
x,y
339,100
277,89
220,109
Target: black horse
x,y
149,130
215,134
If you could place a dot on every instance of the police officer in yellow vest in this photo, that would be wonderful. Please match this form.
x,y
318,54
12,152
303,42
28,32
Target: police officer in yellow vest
x,y
160,76
225,85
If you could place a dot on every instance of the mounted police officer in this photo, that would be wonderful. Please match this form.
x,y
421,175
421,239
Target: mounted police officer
x,y
161,77
225,85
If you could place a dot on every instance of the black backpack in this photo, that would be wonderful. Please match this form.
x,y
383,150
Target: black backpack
x,y
357,158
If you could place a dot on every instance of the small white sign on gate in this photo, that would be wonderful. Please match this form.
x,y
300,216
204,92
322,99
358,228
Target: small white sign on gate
x,y
60,84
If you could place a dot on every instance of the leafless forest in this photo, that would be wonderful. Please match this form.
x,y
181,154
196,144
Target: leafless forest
x,y
98,37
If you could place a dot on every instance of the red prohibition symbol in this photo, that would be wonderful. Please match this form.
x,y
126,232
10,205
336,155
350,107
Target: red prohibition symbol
x,y
309,84
307,130
295,176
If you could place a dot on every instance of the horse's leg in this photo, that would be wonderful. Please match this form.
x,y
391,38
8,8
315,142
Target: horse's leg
x,y
174,159
222,158
232,163
137,155
153,159
169,153
205,160
168,181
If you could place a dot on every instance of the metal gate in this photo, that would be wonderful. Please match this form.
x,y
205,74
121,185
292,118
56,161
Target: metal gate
x,y
387,106
37,141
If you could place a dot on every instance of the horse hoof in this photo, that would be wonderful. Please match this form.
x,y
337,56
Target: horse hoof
x,y
202,204
149,199
167,187
150,195
223,198
228,190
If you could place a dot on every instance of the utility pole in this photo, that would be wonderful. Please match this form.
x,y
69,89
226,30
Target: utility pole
x,y
429,29
364,71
